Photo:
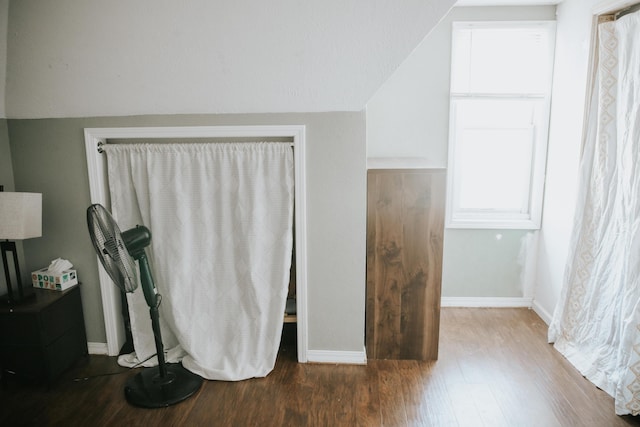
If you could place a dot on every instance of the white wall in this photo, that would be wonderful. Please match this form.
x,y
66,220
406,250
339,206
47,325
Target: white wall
x,y
69,58
574,26
408,117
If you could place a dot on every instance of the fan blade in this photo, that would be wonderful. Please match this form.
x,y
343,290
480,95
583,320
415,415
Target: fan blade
x,y
114,249
107,241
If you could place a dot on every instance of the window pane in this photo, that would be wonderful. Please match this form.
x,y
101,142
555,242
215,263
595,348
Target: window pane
x,y
494,153
501,60
500,88
494,168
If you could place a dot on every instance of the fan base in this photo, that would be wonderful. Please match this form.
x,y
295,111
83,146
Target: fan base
x,y
148,389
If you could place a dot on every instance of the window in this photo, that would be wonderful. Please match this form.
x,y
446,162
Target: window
x,y
500,97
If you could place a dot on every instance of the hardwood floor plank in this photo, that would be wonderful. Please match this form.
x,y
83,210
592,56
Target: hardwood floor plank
x,y
367,397
439,407
488,407
495,369
464,406
412,379
392,405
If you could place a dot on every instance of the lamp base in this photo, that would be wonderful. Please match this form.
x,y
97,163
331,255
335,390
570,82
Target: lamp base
x,y
20,294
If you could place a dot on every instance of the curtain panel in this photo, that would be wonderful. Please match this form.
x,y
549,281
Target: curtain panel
x,y
221,218
596,324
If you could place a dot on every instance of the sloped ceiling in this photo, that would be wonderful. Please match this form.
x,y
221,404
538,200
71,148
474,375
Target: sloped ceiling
x,y
69,58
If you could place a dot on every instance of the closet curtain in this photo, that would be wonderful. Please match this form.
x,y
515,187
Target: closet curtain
x,y
596,324
221,217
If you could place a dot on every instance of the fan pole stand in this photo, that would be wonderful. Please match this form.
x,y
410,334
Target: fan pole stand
x,y
152,387
163,385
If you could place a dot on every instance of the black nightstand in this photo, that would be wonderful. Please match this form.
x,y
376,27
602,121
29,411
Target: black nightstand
x,y
42,336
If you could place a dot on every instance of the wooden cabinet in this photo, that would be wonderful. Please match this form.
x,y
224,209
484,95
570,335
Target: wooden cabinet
x,y
405,232
43,336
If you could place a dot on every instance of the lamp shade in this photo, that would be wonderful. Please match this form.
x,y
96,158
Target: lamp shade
x,y
20,215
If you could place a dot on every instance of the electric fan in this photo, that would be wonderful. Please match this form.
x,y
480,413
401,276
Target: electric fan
x,y
165,384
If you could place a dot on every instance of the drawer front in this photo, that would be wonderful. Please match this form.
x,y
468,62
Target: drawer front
x,y
19,329
45,363
27,362
62,353
60,317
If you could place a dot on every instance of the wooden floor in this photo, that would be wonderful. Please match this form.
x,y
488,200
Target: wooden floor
x,y
495,369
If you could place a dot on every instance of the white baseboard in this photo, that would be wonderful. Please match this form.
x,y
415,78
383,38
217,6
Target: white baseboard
x,y
97,348
339,357
544,314
313,356
399,163
485,302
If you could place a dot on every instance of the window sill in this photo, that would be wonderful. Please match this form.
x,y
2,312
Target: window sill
x,y
493,224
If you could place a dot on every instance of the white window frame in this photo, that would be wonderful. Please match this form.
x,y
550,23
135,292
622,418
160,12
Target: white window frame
x,y
530,216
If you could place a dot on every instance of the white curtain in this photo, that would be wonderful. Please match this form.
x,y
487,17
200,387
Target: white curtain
x,y
221,217
596,324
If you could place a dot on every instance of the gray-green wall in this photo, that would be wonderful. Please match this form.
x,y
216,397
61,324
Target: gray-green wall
x,y
487,263
6,167
6,177
49,157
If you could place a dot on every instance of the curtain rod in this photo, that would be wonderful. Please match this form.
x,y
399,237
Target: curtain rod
x,y
633,8
101,143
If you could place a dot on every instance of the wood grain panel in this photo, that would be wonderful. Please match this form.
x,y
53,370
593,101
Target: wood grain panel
x,y
405,232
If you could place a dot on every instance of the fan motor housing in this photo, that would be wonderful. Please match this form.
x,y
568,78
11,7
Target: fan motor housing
x,y
136,239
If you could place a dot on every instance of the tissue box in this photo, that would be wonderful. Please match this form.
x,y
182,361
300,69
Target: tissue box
x,y
57,281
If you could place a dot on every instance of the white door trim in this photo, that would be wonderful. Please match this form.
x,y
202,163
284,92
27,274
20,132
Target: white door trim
x,y
99,190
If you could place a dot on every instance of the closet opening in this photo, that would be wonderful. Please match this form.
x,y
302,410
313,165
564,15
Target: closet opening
x,y
294,318
288,342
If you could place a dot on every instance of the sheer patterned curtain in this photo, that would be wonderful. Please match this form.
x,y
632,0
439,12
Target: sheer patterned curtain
x,y
221,219
596,323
